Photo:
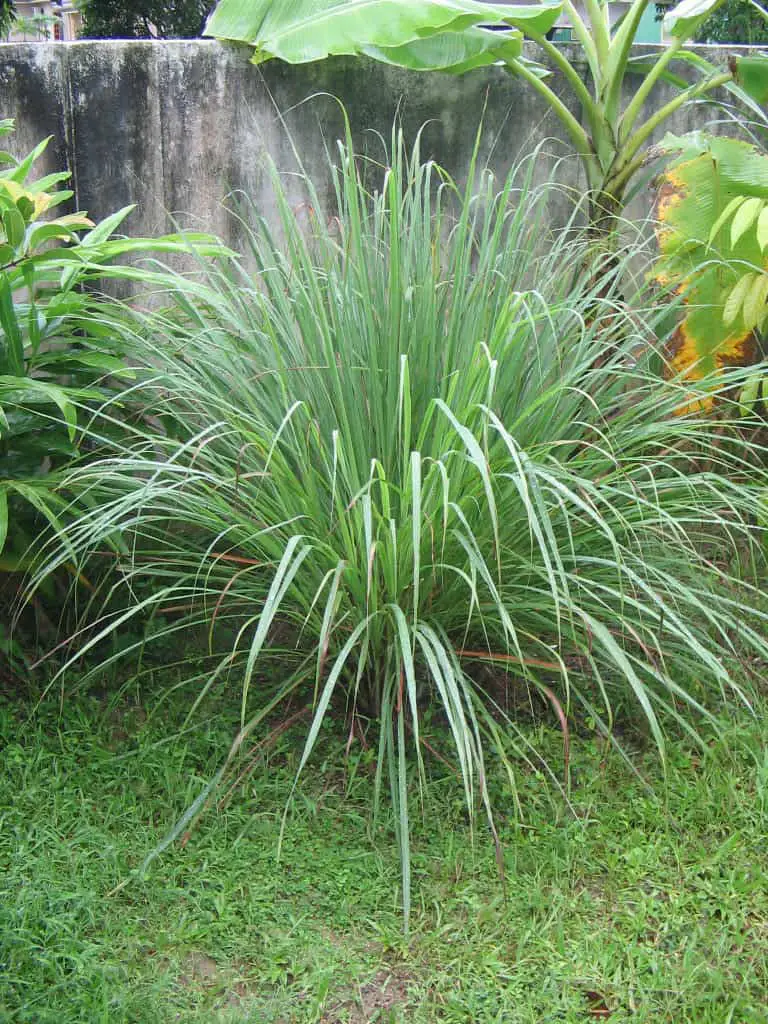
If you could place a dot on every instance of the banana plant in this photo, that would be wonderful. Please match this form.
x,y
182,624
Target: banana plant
x,y
456,36
712,230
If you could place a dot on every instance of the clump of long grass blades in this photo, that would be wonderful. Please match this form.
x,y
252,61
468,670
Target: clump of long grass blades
x,y
411,441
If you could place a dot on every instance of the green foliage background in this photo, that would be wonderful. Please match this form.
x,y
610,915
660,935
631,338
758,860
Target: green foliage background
x,y
143,19
7,14
737,21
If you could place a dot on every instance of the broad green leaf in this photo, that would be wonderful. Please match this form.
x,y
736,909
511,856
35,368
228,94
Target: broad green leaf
x,y
57,198
11,343
22,169
455,52
749,393
539,18
14,227
40,496
3,515
47,232
101,361
197,243
26,207
20,387
719,170
74,220
711,180
735,299
683,20
39,202
308,30
105,228
762,229
745,217
754,302
47,182
725,216
751,73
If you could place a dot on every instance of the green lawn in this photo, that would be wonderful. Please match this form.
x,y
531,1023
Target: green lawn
x,y
631,906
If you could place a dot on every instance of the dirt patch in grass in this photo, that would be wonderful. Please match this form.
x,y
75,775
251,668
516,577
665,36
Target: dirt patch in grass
x,y
199,970
386,991
227,985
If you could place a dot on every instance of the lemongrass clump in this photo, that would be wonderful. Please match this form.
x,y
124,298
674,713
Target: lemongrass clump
x,y
403,440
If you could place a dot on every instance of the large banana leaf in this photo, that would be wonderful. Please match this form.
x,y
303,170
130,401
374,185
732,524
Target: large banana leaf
x,y
416,34
712,210
451,51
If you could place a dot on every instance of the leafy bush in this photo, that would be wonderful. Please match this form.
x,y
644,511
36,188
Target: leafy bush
x,y
736,21
59,357
143,19
414,441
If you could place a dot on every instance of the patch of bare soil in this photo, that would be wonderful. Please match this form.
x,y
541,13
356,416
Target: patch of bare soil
x,y
226,984
198,969
229,991
387,990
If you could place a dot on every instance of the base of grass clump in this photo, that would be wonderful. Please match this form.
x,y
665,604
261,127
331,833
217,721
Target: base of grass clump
x,y
412,441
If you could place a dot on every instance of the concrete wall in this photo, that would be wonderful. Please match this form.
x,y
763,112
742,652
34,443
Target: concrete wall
x,y
175,126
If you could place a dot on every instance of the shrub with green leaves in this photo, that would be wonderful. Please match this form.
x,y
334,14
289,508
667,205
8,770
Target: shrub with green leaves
x,y
59,356
712,229
415,442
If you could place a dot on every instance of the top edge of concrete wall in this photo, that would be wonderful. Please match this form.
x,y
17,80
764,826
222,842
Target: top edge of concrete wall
x,y
175,126
572,50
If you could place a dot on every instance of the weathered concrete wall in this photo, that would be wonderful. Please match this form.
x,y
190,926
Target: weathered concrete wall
x,y
175,126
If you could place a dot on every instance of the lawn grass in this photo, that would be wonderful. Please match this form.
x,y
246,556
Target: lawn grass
x,y
632,906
